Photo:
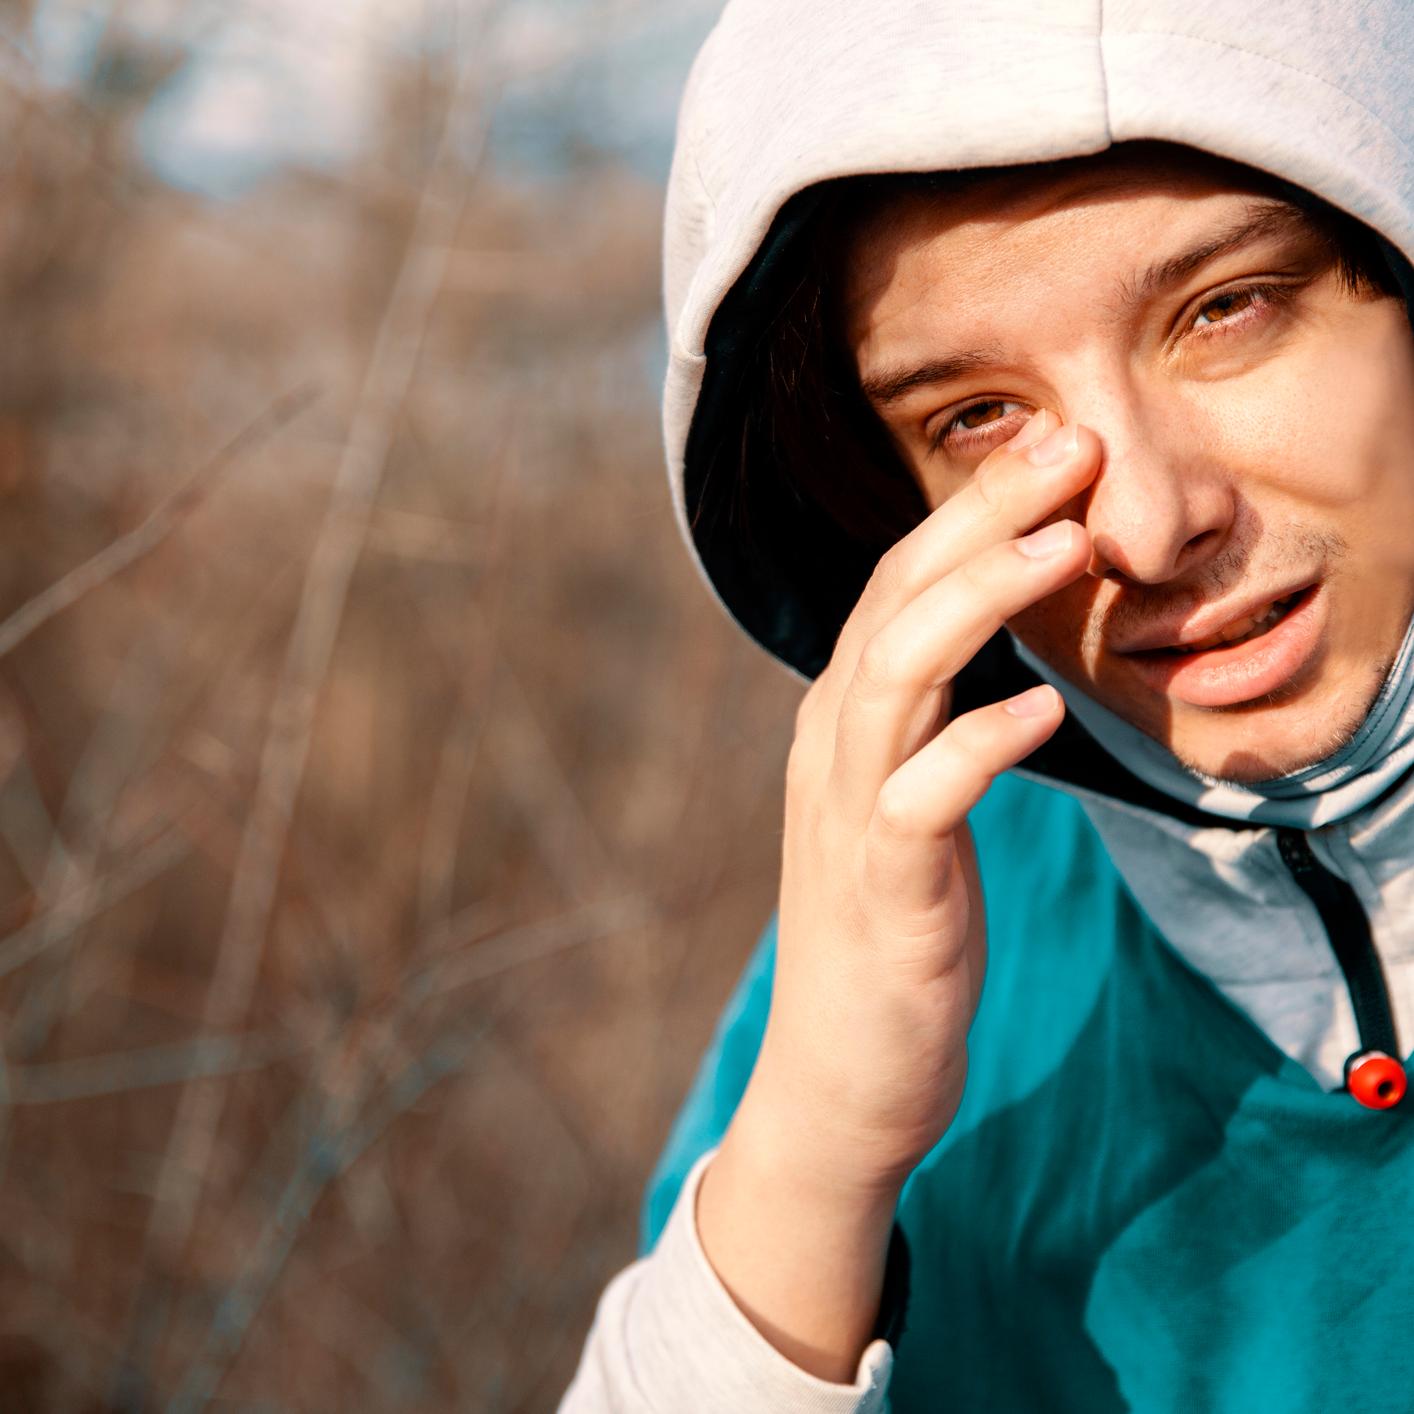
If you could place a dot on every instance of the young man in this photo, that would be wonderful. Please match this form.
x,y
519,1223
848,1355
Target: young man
x,y
1079,477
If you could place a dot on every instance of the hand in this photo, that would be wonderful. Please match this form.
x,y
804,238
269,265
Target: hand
x,y
881,947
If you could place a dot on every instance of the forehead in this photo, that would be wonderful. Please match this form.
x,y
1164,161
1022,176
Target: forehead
x,y
1018,232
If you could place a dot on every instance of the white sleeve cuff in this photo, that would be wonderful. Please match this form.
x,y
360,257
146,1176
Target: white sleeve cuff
x,y
668,1339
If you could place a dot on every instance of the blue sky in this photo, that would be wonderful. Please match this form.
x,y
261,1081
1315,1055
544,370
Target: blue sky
x,y
273,82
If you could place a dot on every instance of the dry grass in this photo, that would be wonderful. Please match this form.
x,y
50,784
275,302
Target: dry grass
x,y
385,809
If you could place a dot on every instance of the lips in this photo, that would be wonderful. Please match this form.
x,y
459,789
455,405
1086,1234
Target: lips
x,y
1266,648
1213,625
1241,629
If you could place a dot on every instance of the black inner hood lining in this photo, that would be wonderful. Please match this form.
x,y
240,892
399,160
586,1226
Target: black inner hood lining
x,y
791,576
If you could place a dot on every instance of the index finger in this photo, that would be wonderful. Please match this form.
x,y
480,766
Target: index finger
x,y
1015,488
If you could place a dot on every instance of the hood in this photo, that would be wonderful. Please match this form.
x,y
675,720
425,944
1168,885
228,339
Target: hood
x,y
789,94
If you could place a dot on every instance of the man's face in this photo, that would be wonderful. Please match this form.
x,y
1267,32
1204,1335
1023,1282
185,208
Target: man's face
x,y
1256,424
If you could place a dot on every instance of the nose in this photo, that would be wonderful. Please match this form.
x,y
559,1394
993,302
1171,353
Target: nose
x,y
1158,507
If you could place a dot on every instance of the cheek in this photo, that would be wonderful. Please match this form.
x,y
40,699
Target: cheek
x,y
1368,477
1331,426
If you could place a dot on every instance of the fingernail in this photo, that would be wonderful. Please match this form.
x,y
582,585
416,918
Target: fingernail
x,y
1034,702
1059,445
1049,540
1034,429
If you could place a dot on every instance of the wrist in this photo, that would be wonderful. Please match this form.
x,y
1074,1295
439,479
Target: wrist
x,y
784,1149
816,1146
803,1259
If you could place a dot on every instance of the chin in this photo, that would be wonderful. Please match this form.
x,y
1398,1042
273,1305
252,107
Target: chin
x,y
1266,740
1249,768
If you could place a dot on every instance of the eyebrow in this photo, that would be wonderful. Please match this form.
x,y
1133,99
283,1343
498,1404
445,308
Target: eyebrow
x,y
1261,220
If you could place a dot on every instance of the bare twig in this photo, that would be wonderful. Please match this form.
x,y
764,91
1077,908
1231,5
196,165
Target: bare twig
x,y
92,898
87,1076
514,947
109,757
329,1152
160,523
460,749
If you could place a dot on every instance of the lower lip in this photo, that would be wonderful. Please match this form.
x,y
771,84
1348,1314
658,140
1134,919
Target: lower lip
x,y
1224,677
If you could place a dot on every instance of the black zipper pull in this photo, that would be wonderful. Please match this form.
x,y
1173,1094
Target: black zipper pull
x,y
1370,1074
1300,858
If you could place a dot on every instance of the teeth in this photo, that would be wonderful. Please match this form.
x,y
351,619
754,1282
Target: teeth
x,y
1240,630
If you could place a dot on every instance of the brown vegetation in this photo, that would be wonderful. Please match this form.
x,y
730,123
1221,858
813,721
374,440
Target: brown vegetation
x,y
385,808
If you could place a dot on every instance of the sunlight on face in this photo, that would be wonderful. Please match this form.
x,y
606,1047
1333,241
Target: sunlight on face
x,y
1254,415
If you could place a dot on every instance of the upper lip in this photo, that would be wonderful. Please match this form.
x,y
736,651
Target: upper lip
x,y
1180,632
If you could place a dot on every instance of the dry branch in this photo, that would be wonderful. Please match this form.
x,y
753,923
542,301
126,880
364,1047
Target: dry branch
x,y
114,558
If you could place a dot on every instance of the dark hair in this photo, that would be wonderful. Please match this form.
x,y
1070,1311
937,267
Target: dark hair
x,y
789,462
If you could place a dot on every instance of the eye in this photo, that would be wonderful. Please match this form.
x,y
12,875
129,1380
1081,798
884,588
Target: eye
x,y
1225,306
1236,309
980,423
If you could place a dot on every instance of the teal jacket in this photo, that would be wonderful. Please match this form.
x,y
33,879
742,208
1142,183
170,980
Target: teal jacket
x,y
1143,1204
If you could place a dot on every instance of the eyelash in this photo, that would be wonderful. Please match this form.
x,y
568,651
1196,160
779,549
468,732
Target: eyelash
x,y
1265,299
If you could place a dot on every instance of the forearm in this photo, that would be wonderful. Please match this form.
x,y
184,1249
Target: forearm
x,y
802,1255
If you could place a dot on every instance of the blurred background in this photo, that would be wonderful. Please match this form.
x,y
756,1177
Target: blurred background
x,y
385,808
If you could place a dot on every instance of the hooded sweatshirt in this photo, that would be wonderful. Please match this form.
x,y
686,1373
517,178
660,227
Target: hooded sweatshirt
x,y
1159,1193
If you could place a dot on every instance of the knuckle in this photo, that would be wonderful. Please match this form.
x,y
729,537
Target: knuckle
x,y
877,664
991,483
800,767
970,742
808,766
890,576
896,813
805,709
977,574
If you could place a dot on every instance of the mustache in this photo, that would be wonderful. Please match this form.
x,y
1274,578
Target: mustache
x,y
1267,560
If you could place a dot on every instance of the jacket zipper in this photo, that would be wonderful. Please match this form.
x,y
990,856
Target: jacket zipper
x,y
1348,929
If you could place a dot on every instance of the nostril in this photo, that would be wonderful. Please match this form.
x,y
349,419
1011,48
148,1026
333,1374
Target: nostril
x,y
1199,542
1101,568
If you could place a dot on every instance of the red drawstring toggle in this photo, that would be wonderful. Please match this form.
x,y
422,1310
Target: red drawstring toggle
x,y
1375,1079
